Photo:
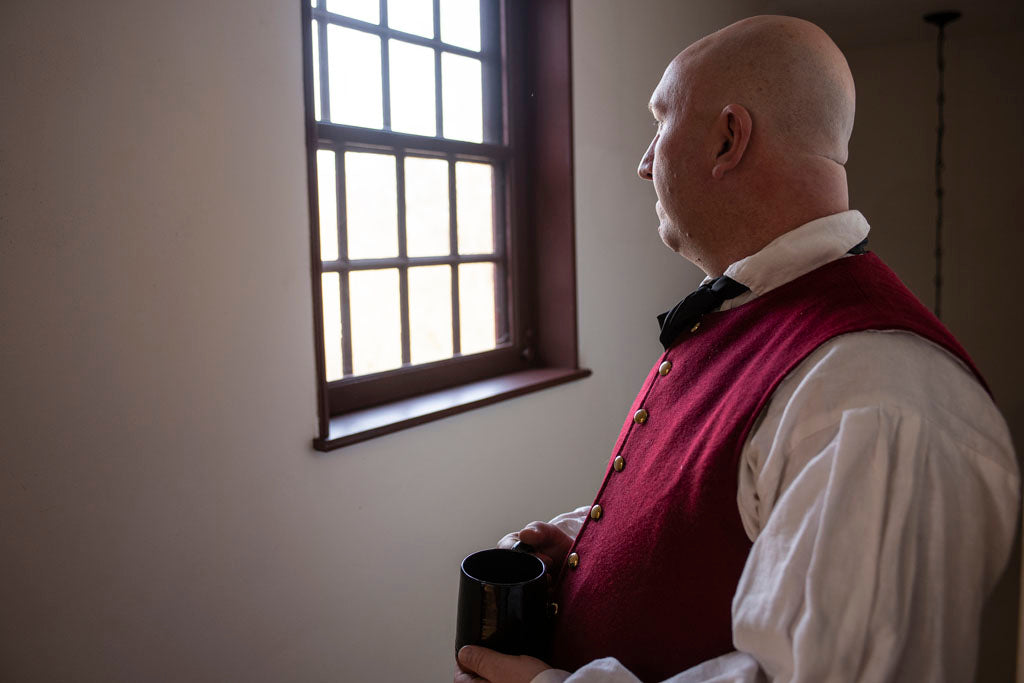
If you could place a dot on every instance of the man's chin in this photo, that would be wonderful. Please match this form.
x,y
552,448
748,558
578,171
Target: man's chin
x,y
669,236
677,243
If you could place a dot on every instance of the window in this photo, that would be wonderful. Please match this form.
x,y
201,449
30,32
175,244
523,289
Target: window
x,y
439,157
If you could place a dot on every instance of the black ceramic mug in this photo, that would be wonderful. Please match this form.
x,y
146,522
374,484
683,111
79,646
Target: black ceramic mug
x,y
503,603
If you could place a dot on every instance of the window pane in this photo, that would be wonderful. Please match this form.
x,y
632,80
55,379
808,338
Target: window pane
x,y
354,77
412,16
371,205
460,23
376,322
412,88
365,10
476,307
328,193
426,207
462,98
316,69
330,283
473,187
430,313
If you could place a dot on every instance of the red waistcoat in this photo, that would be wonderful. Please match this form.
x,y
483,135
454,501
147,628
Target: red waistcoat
x,y
655,573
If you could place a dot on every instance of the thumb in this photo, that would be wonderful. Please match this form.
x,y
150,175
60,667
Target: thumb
x,y
477,659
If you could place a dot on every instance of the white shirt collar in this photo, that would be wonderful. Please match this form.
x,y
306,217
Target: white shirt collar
x,y
797,253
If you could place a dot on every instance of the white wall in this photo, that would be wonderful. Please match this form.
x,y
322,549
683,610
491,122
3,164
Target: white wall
x,y
163,515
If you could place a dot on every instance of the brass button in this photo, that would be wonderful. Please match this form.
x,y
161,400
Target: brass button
x,y
596,512
695,326
618,463
574,560
640,416
665,368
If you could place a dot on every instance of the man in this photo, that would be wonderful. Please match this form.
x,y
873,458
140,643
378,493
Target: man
x,y
813,483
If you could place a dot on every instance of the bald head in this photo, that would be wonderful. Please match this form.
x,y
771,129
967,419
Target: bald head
x,y
789,75
754,123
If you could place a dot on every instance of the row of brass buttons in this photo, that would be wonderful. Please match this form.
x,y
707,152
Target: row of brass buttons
x,y
619,463
596,513
640,416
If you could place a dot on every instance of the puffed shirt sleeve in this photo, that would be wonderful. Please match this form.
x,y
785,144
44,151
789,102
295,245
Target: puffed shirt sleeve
x,y
571,522
880,490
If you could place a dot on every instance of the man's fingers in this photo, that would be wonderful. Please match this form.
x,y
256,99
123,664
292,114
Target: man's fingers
x,y
470,658
546,538
462,676
550,543
508,540
537,534
479,660
536,531
540,534
494,666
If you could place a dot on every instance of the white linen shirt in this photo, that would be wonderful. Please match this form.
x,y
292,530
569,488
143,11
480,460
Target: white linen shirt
x,y
879,488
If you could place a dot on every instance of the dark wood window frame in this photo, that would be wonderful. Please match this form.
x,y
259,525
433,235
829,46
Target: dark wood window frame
x,y
534,179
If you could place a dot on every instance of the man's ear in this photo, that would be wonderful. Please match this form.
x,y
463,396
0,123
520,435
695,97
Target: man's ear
x,y
732,131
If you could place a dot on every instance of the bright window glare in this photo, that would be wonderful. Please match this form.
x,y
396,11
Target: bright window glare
x,y
412,88
316,71
430,313
476,307
376,321
460,23
364,10
473,183
412,16
330,283
355,84
426,207
371,205
328,193
462,98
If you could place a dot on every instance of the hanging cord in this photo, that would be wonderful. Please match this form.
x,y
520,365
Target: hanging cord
x,y
940,19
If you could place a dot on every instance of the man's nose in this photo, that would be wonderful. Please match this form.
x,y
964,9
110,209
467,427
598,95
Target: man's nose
x,y
645,169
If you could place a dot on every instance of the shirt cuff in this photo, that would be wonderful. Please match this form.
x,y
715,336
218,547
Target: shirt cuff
x,y
551,676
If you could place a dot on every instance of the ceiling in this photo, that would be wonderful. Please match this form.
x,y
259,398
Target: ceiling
x,y
862,22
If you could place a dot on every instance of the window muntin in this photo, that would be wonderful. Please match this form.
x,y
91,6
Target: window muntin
x,y
413,237
526,74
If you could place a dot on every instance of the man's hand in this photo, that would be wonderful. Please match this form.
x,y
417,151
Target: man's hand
x,y
550,542
479,664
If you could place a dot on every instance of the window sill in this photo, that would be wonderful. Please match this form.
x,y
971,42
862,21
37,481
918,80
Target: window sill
x,y
361,425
